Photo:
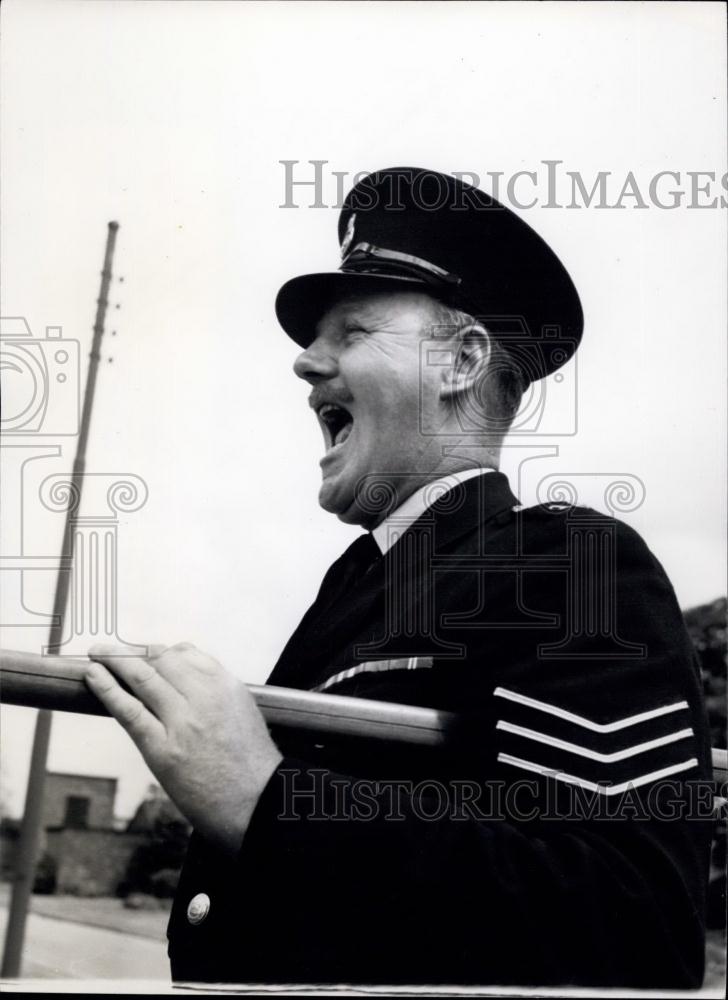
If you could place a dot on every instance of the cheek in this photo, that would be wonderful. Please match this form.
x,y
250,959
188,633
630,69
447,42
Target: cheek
x,y
386,389
391,410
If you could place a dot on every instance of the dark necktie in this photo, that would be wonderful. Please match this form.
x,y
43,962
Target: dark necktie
x,y
312,638
358,559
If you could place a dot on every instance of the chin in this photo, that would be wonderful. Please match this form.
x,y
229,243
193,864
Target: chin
x,y
342,504
352,515
333,500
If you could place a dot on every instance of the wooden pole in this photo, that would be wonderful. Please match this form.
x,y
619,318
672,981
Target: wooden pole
x,y
30,830
57,682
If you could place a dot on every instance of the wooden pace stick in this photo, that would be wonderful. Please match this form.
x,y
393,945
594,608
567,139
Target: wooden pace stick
x,y
56,682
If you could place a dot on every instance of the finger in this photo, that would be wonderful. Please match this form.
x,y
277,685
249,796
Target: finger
x,y
176,654
124,707
142,678
115,649
155,649
187,669
171,664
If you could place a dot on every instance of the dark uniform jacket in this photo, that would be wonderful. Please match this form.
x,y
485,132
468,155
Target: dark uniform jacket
x,y
562,837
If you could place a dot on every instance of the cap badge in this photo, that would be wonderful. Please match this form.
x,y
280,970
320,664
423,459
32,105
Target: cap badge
x,y
348,235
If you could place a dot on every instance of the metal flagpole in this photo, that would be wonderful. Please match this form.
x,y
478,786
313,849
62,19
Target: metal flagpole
x,y
30,830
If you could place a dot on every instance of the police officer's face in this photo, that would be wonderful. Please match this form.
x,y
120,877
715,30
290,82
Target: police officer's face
x,y
368,393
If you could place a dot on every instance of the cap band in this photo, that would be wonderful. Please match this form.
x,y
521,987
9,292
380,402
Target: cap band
x,y
365,258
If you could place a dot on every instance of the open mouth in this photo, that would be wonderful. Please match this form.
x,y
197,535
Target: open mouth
x,y
337,423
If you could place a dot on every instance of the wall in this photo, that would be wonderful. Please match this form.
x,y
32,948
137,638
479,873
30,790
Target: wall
x,y
100,791
91,862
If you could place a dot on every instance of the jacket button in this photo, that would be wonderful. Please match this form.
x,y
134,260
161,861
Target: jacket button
x,y
198,908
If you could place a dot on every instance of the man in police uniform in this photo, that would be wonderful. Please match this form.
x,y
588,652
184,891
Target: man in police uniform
x,y
552,632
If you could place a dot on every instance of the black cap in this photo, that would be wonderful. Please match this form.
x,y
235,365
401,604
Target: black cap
x,y
418,229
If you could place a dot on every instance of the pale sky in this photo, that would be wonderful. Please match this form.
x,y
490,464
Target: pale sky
x,y
173,120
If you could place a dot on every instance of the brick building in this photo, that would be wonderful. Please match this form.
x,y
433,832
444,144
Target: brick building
x,y
84,850
91,862
83,853
78,801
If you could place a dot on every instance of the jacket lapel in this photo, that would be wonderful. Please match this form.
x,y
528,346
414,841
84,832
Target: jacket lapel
x,y
467,508
349,610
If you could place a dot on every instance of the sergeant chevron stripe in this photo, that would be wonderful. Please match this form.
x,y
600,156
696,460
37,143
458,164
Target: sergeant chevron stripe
x,y
607,758
580,720
593,786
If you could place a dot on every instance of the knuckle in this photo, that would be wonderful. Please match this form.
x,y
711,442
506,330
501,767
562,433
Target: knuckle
x,y
129,715
212,668
155,650
108,695
175,754
100,649
143,676
182,647
206,665
107,649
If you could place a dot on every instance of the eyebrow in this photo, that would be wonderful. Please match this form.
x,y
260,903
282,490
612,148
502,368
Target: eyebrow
x,y
361,319
356,309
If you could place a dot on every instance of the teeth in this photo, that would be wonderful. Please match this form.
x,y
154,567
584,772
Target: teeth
x,y
343,434
338,422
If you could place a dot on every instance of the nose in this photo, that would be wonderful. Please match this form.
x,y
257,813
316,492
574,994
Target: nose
x,y
316,363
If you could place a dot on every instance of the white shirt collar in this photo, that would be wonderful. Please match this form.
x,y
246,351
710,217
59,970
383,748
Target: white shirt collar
x,y
394,526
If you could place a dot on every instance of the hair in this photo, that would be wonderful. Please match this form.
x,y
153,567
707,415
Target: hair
x,y
502,383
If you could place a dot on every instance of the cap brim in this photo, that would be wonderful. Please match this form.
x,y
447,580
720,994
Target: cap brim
x,y
302,301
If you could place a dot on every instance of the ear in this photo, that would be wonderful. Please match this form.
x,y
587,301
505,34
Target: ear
x,y
470,358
